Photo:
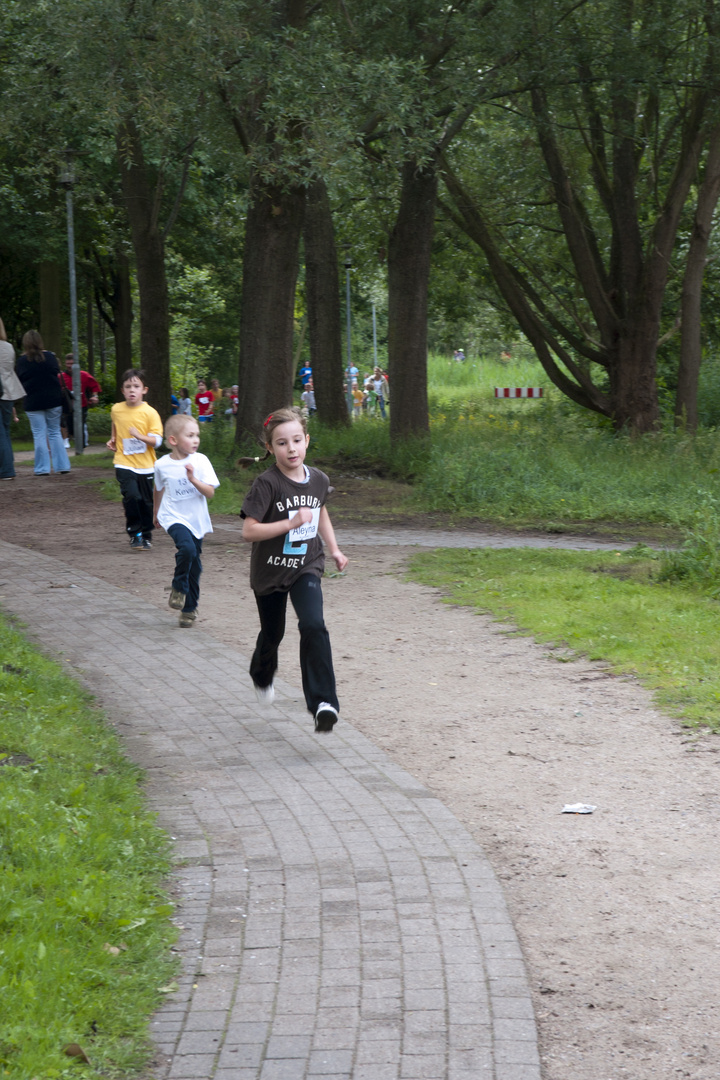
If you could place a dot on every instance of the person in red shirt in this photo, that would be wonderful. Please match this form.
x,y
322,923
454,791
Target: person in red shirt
x,y
204,399
89,390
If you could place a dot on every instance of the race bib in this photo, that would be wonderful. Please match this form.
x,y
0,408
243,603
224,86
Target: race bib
x,y
134,446
183,489
307,530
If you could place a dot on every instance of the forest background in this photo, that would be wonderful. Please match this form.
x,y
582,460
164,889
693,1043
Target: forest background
x,y
500,175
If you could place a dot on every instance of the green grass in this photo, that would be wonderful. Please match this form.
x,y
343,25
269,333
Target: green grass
x,y
84,923
545,463
608,607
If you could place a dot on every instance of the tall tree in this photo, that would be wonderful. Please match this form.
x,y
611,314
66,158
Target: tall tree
x,y
322,294
607,125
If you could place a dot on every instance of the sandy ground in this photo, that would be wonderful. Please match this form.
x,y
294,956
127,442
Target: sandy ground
x,y
618,911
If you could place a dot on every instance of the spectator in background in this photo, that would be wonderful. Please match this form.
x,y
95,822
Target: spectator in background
x,y
184,404
217,391
38,371
381,388
305,373
11,390
308,397
357,396
89,395
204,399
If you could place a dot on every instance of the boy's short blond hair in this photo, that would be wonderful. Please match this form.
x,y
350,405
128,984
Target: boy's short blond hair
x,y
175,425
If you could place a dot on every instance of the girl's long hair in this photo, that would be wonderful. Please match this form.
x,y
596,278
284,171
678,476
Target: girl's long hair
x,y
279,416
33,346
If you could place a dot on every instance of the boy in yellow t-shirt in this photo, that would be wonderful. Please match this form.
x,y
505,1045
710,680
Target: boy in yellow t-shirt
x,y
136,433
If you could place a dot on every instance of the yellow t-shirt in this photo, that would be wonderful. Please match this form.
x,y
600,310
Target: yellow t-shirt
x,y
131,453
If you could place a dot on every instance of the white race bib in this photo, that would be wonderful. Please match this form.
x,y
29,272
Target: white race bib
x,y
307,530
134,446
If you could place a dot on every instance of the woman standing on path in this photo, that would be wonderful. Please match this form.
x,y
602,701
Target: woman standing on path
x,y
38,371
10,391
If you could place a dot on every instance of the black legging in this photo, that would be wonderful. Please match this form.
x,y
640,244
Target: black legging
x,y
137,496
318,676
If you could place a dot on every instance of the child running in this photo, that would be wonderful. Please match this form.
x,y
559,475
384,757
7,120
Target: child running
x,y
136,433
283,513
184,481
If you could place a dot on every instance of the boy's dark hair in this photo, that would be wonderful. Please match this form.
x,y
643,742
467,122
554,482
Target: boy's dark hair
x,y
133,373
184,391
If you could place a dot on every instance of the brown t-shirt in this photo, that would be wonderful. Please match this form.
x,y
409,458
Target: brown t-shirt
x,y
276,564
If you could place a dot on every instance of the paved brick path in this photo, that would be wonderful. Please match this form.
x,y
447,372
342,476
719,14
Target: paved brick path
x,y
338,921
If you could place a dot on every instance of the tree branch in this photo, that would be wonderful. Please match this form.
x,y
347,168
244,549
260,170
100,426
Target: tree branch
x,y
181,190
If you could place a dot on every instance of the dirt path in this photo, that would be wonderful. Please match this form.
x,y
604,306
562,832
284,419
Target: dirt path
x,y
617,911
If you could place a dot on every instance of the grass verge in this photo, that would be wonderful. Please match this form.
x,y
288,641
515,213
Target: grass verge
x,y
84,926
608,607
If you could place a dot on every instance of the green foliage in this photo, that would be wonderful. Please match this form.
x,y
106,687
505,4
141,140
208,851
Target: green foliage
x,y
607,607
697,563
194,300
84,929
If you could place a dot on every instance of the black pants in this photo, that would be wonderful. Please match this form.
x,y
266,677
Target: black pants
x,y
188,567
318,676
68,420
137,496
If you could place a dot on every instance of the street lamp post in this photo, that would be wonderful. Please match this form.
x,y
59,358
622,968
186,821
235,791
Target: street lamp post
x,y
348,268
67,179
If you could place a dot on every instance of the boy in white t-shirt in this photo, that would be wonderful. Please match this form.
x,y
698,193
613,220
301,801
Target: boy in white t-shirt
x,y
184,481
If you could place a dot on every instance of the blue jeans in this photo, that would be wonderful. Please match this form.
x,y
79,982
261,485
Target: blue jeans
x,y
7,463
188,567
45,427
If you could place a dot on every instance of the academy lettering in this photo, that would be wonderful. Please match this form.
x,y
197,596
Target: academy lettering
x,y
280,560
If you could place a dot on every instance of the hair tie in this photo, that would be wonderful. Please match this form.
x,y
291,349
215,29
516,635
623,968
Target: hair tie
x,y
268,420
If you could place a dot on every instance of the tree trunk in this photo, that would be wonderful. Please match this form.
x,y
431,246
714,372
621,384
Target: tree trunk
x,y
686,411
140,198
50,306
632,370
123,316
113,290
89,327
322,293
270,267
409,251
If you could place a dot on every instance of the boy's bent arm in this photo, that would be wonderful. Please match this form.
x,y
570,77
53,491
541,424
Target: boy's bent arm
x,y
328,534
153,438
111,443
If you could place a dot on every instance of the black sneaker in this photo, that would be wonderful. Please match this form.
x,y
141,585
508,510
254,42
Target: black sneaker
x,y
147,542
136,541
326,717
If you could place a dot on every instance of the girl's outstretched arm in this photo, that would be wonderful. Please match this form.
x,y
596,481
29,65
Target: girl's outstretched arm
x,y
328,534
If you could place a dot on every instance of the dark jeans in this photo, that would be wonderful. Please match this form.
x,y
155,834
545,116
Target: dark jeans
x,y
188,567
7,462
318,676
137,496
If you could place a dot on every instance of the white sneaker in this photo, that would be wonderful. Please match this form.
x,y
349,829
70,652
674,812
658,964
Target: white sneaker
x,y
326,717
265,694
66,444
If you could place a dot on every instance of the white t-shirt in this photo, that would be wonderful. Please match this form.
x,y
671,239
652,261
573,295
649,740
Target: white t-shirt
x,y
182,503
